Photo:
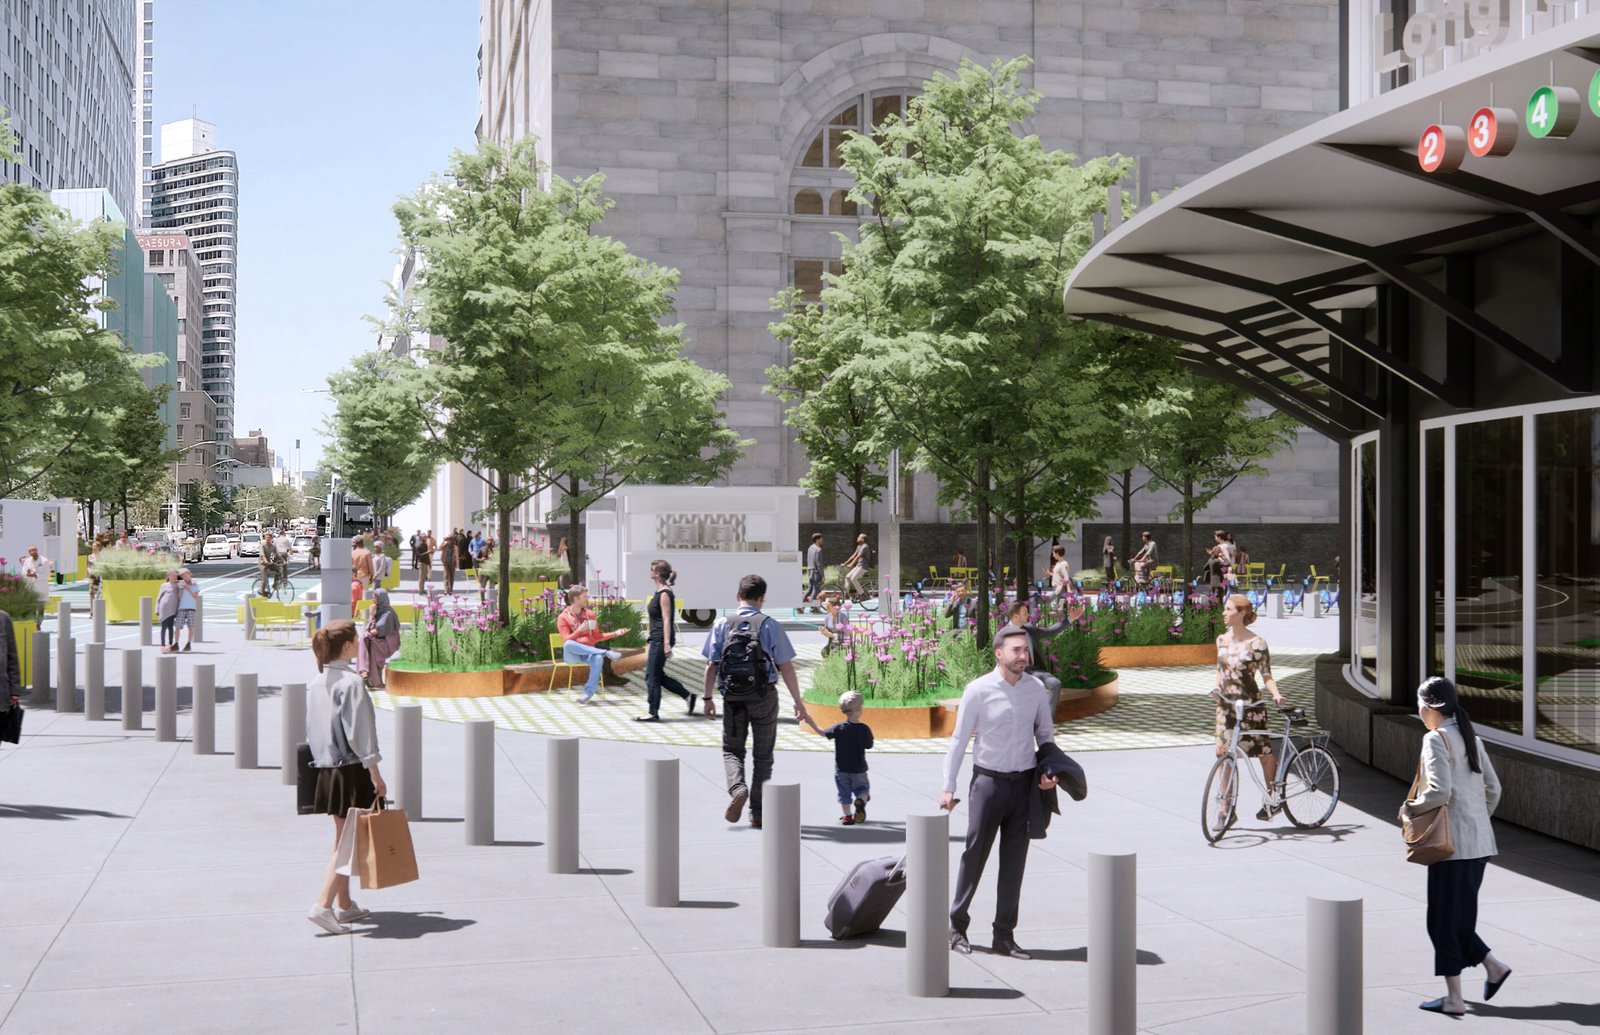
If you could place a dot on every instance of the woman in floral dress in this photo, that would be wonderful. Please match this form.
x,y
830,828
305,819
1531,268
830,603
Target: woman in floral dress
x,y
1244,666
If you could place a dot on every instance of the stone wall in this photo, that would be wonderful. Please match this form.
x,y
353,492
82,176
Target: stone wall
x,y
697,112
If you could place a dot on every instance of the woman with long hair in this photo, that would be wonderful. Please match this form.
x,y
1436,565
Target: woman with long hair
x,y
662,611
342,732
1244,667
581,637
1454,770
1108,560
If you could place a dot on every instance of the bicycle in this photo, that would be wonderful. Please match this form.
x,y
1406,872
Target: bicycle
x,y
282,587
1307,783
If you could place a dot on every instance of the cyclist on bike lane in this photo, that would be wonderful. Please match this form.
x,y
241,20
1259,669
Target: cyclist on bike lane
x,y
1244,666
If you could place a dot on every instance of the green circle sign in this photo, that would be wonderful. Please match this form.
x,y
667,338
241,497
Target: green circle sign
x,y
1544,108
1594,94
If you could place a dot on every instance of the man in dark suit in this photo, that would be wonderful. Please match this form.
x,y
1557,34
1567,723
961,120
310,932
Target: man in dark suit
x,y
11,670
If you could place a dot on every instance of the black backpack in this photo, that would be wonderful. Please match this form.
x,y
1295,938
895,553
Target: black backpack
x,y
742,671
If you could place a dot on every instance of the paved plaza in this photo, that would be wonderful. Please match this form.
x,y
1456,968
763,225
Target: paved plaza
x,y
152,889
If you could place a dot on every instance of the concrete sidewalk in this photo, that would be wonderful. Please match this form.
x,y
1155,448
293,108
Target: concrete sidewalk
x,y
151,889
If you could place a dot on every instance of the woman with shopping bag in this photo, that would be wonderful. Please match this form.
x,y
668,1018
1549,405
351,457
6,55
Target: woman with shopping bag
x,y
1446,825
342,732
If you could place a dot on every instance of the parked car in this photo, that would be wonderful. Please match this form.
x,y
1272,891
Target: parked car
x,y
233,543
250,544
190,550
217,547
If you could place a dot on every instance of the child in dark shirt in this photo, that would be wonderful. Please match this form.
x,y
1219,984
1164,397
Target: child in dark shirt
x,y
851,739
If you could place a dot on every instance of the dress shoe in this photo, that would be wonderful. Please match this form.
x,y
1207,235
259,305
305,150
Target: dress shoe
x,y
1007,947
959,943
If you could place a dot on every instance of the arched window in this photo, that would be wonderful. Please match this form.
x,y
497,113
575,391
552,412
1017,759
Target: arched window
x,y
860,114
839,204
807,202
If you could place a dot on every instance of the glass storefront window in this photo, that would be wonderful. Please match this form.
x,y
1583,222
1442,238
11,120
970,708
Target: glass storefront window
x,y
1488,571
1364,628
1567,562
1433,515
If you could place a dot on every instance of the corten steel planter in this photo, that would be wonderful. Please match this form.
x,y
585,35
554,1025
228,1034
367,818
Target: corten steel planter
x,y
939,720
1160,656
23,631
534,678
122,597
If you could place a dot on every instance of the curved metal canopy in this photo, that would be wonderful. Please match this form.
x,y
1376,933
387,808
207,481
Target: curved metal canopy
x,y
1252,265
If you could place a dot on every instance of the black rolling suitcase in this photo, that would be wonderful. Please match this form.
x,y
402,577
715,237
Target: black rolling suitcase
x,y
865,897
305,781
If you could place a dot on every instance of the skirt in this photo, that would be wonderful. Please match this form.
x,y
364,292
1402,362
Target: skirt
x,y
342,789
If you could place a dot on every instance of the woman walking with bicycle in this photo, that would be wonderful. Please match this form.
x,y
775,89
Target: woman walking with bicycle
x,y
1454,772
1244,666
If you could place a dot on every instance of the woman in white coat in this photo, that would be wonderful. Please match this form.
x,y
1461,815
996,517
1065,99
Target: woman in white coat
x,y
1455,770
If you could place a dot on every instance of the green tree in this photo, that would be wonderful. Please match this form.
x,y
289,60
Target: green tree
x,y
1200,449
206,505
828,407
62,373
318,488
546,329
378,441
949,306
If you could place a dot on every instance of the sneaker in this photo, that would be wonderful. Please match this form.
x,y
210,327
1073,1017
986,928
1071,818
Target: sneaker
x,y
861,810
325,919
755,821
354,913
187,647
586,700
736,805
847,820
614,655
1269,808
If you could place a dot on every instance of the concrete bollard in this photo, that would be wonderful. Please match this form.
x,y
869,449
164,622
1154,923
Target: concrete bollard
x,y
198,634
98,619
1334,1001
66,675
1113,944
311,624
480,782
561,804
928,905
94,681
1313,603
293,731
147,610
249,618
245,738
408,759
167,698
203,728
63,621
1277,604
132,689
780,865
661,832
41,667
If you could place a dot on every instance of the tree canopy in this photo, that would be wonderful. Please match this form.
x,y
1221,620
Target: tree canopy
x,y
378,441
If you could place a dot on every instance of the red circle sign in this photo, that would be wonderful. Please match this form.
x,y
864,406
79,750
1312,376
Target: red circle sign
x,y
1441,148
1492,132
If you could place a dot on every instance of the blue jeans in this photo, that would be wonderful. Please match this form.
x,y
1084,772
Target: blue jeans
x,y
576,653
852,786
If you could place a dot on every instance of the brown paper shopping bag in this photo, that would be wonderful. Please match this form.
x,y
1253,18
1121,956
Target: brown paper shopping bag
x,y
386,855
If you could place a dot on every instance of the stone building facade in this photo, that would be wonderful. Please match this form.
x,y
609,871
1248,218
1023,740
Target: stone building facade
x,y
715,124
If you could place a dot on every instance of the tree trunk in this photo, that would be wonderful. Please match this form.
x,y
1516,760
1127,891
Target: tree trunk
x,y
575,545
1022,562
1188,529
857,488
503,548
982,616
1125,490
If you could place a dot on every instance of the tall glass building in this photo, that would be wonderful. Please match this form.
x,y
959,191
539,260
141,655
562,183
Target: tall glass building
x,y
195,189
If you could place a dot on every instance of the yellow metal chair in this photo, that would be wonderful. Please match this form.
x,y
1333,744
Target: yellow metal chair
x,y
557,664
1318,581
1162,569
933,576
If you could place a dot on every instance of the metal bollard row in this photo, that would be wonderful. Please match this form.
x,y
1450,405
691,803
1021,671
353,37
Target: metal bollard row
x,y
561,770
245,739
203,727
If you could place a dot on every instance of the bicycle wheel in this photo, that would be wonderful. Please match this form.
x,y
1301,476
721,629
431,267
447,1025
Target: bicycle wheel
x,y
1311,787
1221,798
283,591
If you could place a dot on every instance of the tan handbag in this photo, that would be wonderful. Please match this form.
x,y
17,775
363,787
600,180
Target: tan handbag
x,y
1427,834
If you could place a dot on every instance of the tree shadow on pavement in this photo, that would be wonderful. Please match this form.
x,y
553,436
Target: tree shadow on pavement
x,y
1586,1015
985,993
53,812
1146,958
407,926
872,833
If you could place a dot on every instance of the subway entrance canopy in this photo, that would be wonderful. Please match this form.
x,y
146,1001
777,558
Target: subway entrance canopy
x,y
1406,281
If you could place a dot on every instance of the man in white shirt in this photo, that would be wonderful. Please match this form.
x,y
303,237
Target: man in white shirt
x,y
38,570
1008,710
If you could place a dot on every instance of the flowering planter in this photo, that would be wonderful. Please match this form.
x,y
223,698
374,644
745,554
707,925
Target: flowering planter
x,y
513,679
1082,702
1160,656
122,597
939,720
530,591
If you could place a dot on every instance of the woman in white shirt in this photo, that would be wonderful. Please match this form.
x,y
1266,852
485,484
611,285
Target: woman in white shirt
x,y
1454,770
342,732
1060,572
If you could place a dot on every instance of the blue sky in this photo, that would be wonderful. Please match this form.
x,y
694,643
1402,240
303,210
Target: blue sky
x,y
335,109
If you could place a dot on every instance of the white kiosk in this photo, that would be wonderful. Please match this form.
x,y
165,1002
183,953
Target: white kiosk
x,y
51,525
712,535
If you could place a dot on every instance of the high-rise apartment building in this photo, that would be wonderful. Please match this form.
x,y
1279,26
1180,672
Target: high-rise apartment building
x,y
68,86
147,105
195,190
171,259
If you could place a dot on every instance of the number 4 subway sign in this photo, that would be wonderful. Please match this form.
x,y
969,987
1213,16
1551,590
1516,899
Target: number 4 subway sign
x,y
1553,111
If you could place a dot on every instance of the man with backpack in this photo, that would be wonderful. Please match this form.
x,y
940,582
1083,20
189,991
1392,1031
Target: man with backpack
x,y
746,653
